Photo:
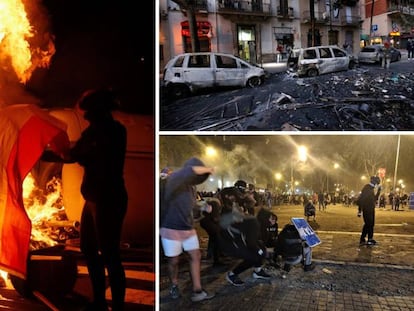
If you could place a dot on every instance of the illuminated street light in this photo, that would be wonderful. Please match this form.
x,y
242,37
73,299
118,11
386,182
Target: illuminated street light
x,y
335,166
302,153
302,156
211,152
278,176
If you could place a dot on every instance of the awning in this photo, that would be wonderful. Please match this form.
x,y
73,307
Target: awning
x,y
364,37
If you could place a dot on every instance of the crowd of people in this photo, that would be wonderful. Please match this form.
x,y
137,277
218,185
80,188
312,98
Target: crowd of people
x,y
237,226
242,226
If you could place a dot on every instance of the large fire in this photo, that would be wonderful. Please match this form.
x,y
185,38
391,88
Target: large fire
x,y
47,213
25,41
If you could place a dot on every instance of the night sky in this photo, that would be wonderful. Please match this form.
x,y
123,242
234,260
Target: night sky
x,y
99,43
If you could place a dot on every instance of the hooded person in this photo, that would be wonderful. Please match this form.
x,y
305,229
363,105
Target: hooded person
x,y
177,230
240,236
366,202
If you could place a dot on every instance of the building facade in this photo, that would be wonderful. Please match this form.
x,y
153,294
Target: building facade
x,y
263,30
389,20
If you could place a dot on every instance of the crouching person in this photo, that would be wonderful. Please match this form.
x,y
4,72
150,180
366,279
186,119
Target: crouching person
x,y
309,209
293,249
239,238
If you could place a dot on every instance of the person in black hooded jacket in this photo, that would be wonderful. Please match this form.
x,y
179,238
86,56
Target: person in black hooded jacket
x,y
177,228
366,207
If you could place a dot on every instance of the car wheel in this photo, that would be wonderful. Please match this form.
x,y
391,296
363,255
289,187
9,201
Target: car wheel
x,y
179,91
312,72
254,82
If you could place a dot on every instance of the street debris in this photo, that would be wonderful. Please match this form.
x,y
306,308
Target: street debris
x,y
358,99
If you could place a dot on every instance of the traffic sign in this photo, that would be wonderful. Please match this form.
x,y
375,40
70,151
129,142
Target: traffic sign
x,y
306,232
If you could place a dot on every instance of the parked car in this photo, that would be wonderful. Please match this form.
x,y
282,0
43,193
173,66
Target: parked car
x,y
374,54
319,60
186,73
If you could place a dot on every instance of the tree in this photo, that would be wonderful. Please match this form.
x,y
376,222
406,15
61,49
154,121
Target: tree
x,y
190,7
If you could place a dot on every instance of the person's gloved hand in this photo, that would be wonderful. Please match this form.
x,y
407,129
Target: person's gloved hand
x,y
261,252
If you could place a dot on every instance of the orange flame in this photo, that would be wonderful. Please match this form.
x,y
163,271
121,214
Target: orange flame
x,y
17,43
42,208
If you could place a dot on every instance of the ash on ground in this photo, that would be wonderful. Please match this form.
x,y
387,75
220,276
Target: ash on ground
x,y
354,100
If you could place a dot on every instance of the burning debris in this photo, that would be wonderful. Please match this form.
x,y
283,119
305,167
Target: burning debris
x,y
350,100
45,209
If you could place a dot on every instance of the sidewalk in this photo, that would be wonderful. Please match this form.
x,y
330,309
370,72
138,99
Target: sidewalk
x,y
346,277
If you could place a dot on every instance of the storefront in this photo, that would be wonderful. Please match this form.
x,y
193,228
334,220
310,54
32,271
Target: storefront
x,y
246,41
204,30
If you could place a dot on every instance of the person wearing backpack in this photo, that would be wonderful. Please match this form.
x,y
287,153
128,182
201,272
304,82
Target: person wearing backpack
x,y
177,230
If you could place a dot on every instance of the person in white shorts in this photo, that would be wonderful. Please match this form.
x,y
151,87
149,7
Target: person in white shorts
x,y
177,227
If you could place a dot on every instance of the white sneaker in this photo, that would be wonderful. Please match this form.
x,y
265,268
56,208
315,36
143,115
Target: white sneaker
x,y
199,296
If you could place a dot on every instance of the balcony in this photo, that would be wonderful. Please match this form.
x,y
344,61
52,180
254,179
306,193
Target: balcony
x,y
199,6
400,9
235,9
323,18
345,20
285,13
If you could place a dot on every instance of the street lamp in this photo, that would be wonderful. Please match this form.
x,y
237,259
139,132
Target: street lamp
x,y
335,166
212,153
278,177
302,156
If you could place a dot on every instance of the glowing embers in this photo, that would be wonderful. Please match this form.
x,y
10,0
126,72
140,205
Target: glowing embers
x,y
45,209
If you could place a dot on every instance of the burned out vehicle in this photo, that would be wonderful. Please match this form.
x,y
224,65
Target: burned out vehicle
x,y
186,73
317,60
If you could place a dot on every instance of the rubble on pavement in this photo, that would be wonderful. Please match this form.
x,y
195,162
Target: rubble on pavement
x,y
358,99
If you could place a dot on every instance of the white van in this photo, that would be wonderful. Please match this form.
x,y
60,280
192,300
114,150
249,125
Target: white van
x,y
186,73
319,60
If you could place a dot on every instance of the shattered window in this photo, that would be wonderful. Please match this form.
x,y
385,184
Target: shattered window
x,y
199,61
309,54
338,53
225,62
179,62
325,53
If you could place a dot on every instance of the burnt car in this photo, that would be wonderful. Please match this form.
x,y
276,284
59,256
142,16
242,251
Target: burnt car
x,y
317,60
186,73
374,54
